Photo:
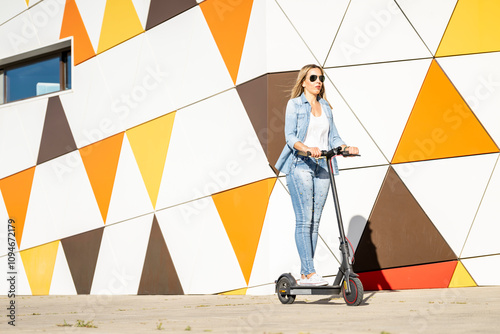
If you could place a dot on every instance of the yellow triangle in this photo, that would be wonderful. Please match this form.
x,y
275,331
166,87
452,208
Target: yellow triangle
x,y
474,27
120,23
461,277
39,265
235,292
149,142
242,211
27,2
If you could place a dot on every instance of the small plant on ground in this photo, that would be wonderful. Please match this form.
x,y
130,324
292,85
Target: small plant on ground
x,y
88,324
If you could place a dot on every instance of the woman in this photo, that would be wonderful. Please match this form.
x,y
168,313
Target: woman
x,y
309,127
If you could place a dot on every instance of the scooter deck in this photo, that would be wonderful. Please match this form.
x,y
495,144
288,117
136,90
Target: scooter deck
x,y
315,290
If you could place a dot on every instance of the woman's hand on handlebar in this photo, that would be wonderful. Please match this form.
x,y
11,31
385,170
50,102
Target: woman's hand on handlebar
x,y
351,149
315,152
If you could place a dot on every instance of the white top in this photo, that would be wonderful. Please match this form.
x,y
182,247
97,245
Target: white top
x,y
317,132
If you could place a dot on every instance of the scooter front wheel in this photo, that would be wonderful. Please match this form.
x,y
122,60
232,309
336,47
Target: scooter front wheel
x,y
356,296
283,284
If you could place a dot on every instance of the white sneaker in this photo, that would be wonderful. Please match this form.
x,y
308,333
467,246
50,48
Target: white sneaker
x,y
314,280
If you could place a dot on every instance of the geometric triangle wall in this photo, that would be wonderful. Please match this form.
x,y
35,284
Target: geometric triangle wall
x,y
414,84
101,161
57,138
16,190
242,211
73,25
120,23
149,142
441,124
159,276
228,24
398,232
39,265
81,253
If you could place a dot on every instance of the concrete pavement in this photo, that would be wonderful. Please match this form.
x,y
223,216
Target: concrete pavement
x,y
457,310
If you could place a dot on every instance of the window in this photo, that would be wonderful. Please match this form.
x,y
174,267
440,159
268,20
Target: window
x,y
35,74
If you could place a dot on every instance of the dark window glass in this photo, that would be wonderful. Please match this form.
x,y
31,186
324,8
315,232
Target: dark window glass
x,y
1,87
36,78
68,70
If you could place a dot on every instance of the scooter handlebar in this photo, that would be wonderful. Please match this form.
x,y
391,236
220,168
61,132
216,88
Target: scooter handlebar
x,y
335,152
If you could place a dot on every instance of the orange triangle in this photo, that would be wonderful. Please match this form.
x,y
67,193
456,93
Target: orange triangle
x,y
101,161
16,190
242,211
72,25
228,22
441,124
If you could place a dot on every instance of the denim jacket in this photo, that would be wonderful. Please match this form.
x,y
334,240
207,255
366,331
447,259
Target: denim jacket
x,y
298,114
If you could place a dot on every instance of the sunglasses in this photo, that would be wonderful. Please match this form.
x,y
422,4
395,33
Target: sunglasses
x,y
313,78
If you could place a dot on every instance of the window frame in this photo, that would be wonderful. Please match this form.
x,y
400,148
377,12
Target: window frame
x,y
62,49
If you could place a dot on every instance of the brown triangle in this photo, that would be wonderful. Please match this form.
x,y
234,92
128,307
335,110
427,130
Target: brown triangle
x,y
161,10
81,253
265,99
159,276
57,138
398,232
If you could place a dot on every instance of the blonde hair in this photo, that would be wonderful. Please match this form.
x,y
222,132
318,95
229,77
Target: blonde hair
x,y
297,89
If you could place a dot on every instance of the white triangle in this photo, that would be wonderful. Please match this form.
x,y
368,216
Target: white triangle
x,y
483,236
485,270
448,193
375,31
32,122
276,252
429,18
62,281
203,128
192,70
121,258
357,191
142,10
253,61
196,239
129,198
92,13
285,49
352,133
382,97
476,77
11,9
15,148
83,78
318,30
61,193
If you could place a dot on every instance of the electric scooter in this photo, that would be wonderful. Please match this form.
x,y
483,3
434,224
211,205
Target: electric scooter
x,y
346,281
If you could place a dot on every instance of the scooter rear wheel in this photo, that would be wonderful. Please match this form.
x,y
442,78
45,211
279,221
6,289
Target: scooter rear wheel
x,y
283,284
356,296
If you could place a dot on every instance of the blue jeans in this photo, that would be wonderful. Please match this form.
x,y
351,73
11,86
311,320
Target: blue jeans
x,y
308,183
